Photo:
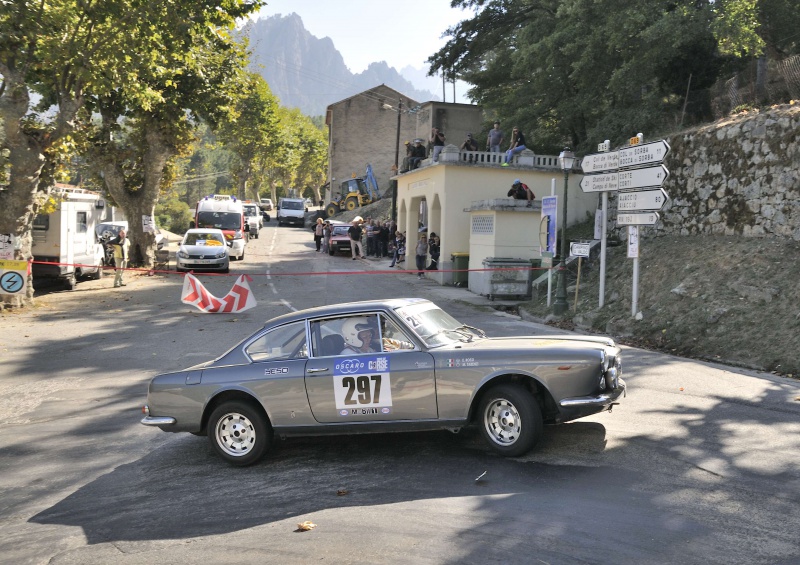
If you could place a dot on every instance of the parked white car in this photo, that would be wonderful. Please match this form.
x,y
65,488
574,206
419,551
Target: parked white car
x,y
203,249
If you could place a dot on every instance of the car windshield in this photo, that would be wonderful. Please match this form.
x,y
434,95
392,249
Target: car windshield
x,y
219,220
292,204
340,230
251,210
434,326
209,239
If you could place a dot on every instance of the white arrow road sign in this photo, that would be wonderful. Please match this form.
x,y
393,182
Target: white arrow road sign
x,y
643,154
647,219
596,162
603,182
641,178
653,199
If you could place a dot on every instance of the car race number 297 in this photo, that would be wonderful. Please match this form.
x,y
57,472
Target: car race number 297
x,y
362,386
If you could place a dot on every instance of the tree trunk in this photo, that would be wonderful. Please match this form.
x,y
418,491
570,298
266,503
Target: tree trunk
x,y
24,196
137,202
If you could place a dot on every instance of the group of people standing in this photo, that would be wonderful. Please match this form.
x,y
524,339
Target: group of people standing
x,y
383,240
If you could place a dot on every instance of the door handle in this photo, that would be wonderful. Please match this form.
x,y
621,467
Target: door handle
x,y
321,369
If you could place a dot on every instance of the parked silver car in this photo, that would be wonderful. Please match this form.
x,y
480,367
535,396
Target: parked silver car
x,y
393,365
203,249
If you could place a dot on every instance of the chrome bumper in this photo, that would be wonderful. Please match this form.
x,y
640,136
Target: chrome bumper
x,y
599,400
158,421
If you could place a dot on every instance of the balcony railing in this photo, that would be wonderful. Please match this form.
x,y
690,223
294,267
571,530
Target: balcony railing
x,y
526,158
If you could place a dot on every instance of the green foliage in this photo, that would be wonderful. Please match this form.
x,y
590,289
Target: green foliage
x,y
174,215
576,72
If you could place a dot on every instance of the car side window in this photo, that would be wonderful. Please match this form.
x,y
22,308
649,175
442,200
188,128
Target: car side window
x,y
340,336
392,337
284,342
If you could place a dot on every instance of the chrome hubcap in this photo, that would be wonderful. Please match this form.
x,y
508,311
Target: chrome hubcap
x,y
235,434
502,422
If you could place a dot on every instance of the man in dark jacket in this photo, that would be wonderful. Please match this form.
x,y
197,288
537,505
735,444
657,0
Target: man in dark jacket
x,y
355,238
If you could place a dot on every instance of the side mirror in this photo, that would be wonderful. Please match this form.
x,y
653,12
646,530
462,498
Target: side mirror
x,y
191,225
306,209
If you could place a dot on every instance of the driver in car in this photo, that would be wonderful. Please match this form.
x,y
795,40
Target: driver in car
x,y
358,334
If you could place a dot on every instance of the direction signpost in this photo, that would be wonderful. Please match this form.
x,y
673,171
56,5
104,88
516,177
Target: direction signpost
x,y
597,162
634,200
645,154
642,178
638,174
646,219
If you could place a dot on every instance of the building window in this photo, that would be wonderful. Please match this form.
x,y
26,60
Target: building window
x,y
41,222
483,225
80,221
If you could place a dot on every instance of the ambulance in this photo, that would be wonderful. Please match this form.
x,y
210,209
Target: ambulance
x,y
224,212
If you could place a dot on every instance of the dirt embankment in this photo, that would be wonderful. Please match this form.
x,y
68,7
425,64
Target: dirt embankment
x,y
733,300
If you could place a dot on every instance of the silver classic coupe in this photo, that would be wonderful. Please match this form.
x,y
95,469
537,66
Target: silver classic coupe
x,y
381,366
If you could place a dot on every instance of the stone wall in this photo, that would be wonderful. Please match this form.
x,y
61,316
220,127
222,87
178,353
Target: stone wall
x,y
738,176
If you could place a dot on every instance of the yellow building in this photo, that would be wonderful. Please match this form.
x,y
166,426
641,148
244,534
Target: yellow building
x,y
463,199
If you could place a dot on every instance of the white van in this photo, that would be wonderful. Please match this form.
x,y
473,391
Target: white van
x,y
292,211
252,215
66,239
224,212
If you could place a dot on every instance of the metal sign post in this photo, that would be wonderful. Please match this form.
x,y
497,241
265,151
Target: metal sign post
x,y
579,250
606,163
549,209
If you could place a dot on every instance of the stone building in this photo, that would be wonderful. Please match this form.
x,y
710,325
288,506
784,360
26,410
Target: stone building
x,y
362,129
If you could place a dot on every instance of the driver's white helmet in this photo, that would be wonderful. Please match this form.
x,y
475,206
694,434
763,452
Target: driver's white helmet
x,y
351,329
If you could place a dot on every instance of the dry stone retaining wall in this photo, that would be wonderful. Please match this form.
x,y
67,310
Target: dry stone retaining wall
x,y
740,176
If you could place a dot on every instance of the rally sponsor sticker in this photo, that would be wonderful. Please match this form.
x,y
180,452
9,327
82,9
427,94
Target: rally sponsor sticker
x,y
362,386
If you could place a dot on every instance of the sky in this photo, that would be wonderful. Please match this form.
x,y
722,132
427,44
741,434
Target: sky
x,y
367,31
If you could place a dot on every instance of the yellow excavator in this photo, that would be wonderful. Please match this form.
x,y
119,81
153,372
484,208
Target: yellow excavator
x,y
353,193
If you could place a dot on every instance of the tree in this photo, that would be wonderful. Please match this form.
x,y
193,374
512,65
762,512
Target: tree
x,y
580,71
250,132
69,52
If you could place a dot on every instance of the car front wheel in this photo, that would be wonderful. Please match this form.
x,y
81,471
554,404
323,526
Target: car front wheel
x,y
510,420
239,433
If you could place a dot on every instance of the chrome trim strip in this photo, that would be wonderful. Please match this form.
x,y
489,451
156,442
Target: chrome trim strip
x,y
158,421
599,400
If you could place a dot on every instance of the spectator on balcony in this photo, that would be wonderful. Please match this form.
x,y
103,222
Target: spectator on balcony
x,y
495,139
469,144
437,140
417,153
407,159
517,145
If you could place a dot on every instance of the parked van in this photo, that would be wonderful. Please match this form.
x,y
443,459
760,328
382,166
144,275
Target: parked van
x,y
67,238
224,212
292,211
252,215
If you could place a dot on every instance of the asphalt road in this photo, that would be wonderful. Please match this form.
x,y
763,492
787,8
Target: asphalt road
x,y
699,464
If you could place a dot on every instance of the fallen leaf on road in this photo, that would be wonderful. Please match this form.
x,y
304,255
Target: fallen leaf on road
x,y
341,492
306,526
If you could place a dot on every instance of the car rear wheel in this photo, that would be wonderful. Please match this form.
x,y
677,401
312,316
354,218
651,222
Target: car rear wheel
x,y
239,433
510,420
